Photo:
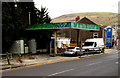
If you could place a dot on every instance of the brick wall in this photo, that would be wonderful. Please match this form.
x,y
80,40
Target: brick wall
x,y
83,34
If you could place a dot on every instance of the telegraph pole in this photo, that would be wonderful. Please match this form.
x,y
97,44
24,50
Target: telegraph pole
x,y
29,19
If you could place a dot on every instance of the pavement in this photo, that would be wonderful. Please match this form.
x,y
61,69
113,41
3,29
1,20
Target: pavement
x,y
44,59
101,65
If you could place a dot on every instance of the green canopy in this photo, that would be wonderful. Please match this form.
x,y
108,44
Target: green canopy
x,y
62,26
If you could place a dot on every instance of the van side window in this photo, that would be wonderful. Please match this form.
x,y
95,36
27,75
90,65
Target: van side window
x,y
95,44
95,35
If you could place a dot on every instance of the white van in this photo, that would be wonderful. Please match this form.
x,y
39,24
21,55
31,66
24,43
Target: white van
x,y
93,45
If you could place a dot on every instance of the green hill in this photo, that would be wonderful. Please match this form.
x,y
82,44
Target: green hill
x,y
104,18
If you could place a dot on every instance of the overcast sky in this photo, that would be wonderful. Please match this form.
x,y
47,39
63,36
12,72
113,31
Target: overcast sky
x,y
60,7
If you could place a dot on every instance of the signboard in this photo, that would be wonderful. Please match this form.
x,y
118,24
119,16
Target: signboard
x,y
86,26
108,36
63,26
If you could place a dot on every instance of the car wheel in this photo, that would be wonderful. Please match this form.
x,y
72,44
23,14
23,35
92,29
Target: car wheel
x,y
102,51
76,54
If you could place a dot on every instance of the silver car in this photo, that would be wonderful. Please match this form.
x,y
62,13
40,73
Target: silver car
x,y
73,51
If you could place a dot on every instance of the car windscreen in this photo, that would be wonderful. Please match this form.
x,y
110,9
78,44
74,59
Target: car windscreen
x,y
70,47
88,43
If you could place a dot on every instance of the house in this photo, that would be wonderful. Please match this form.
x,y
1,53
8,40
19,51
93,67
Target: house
x,y
85,34
79,36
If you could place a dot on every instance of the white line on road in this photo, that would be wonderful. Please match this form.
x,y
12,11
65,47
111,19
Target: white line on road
x,y
94,63
60,72
117,62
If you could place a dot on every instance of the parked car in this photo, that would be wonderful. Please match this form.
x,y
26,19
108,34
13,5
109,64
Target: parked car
x,y
73,51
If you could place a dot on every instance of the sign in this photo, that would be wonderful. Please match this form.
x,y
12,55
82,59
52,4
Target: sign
x,y
108,36
63,26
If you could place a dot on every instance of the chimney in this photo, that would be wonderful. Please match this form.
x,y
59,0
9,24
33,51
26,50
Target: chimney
x,y
77,18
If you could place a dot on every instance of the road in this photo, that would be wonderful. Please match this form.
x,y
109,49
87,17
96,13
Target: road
x,y
103,65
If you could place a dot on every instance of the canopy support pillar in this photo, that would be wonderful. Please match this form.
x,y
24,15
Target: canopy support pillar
x,y
55,43
78,37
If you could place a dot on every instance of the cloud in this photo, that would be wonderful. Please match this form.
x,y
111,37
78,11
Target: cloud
x,y
60,7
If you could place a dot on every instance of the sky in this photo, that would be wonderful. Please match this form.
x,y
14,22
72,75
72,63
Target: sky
x,y
57,8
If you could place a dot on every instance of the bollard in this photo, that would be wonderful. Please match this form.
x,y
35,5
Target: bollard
x,y
8,59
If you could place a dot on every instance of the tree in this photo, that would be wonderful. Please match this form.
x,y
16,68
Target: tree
x,y
15,17
8,28
42,16
14,21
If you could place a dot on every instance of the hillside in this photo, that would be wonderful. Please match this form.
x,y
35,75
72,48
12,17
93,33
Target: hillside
x,y
104,18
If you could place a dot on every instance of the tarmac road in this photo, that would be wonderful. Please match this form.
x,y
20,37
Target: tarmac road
x,y
103,65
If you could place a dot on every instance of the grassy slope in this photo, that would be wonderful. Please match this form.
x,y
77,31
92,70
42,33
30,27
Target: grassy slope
x,y
104,18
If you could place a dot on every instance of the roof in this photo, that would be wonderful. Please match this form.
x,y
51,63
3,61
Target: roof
x,y
103,26
85,20
62,26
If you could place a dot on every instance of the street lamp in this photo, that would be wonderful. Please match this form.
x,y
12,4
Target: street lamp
x,y
16,3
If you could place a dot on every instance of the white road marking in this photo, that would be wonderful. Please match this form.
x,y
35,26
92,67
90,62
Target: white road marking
x,y
94,63
60,72
117,62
